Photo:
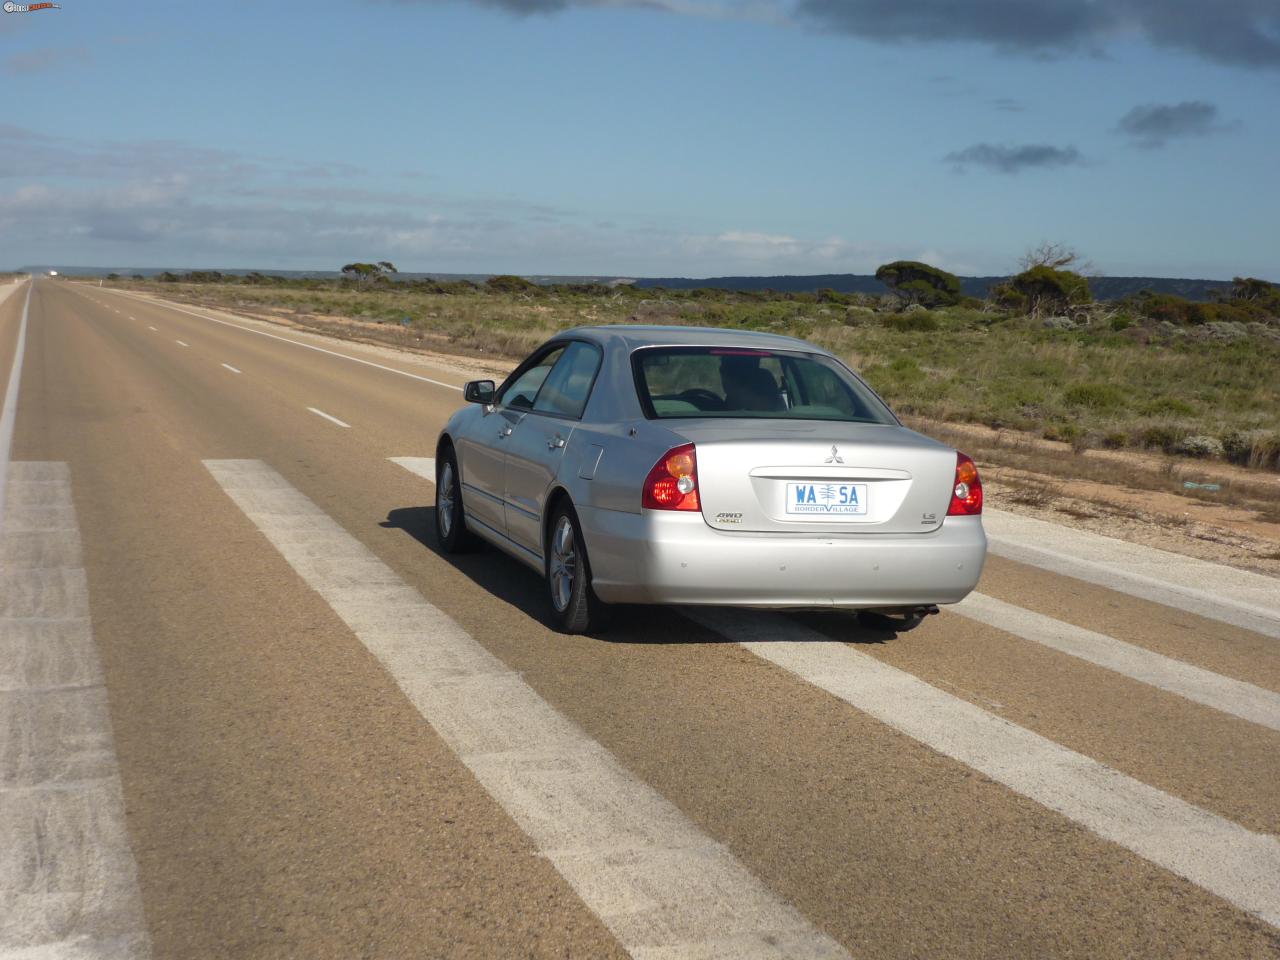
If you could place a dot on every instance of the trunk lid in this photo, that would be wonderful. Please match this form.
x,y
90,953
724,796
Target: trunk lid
x,y
819,478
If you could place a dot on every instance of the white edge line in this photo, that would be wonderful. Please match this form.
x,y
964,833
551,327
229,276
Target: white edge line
x,y
9,412
321,413
296,343
232,369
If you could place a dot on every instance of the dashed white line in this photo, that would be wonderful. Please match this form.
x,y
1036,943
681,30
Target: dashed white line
x,y
1224,858
663,887
153,328
332,419
231,368
1240,699
182,343
308,346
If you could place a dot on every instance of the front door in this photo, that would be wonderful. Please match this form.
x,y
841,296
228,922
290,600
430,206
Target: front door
x,y
537,445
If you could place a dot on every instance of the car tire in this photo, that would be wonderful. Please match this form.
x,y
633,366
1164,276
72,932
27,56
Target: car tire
x,y
451,520
575,608
887,623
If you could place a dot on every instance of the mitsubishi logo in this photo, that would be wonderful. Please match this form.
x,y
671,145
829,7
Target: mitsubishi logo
x,y
835,456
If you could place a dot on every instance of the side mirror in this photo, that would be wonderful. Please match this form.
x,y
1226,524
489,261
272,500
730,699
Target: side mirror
x,y
478,391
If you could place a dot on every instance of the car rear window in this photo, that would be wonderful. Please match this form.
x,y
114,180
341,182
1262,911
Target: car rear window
x,y
683,382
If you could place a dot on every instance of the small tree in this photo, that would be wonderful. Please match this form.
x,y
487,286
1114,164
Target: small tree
x,y
1042,289
367,272
1055,256
920,283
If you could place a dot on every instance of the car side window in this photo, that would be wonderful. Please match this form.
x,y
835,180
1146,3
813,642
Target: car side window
x,y
567,388
521,391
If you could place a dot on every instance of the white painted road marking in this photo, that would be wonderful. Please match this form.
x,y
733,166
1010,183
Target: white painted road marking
x,y
1211,590
299,343
68,881
321,413
231,368
1240,699
425,467
1222,857
152,328
661,886
182,343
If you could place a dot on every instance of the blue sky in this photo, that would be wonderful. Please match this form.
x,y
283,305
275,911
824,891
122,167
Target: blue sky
x,y
664,137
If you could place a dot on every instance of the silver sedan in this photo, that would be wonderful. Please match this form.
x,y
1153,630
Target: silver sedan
x,y
631,464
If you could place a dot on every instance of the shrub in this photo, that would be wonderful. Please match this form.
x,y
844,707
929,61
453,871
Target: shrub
x,y
1065,432
1198,446
920,283
920,320
508,283
1162,436
1094,396
1043,289
1252,448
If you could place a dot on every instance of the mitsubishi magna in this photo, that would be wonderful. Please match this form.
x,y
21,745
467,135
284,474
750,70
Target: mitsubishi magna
x,y
631,464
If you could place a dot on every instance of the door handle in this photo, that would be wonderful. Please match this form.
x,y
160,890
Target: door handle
x,y
504,433
555,443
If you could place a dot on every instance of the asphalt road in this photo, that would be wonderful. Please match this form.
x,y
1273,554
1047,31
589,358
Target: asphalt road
x,y
247,710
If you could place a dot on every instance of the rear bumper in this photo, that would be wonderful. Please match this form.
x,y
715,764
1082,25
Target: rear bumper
x,y
661,557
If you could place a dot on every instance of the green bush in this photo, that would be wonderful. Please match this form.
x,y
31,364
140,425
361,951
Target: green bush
x,y
920,283
1045,290
921,320
508,283
1163,436
1094,396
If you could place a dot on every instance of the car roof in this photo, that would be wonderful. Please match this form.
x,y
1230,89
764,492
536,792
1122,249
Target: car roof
x,y
634,336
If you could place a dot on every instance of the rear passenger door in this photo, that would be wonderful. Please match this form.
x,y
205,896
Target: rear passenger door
x,y
537,444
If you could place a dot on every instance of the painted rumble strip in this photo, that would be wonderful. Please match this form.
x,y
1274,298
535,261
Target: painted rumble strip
x,y
1211,590
68,882
663,888
424,467
1235,697
1222,857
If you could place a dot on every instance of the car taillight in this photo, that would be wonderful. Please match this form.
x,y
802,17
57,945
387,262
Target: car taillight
x,y
966,492
672,484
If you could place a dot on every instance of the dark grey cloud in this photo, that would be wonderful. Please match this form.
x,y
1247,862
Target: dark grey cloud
x,y
1007,158
42,59
1153,125
1236,32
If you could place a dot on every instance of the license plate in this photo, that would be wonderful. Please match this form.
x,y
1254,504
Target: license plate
x,y
827,499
